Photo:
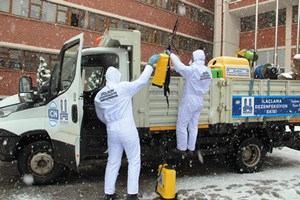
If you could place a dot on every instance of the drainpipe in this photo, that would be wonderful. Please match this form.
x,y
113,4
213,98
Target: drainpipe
x,y
256,26
255,34
276,36
298,26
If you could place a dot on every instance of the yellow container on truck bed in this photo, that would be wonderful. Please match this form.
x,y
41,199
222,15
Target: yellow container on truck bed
x,y
231,67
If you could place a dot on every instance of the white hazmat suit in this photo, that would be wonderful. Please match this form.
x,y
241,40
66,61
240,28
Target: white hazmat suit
x,y
197,81
114,107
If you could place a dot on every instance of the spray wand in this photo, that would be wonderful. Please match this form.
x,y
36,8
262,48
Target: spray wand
x,y
168,75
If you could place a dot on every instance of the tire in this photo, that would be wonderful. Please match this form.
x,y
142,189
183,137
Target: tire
x,y
37,163
250,155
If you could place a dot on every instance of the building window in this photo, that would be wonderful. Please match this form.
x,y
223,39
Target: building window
x,y
62,14
160,3
4,56
248,23
74,20
103,23
74,17
156,37
205,18
149,2
265,20
93,22
262,21
173,5
5,5
268,20
123,24
53,60
15,58
97,22
113,23
268,57
281,17
141,29
164,4
148,35
35,9
31,61
49,12
24,60
131,26
179,42
20,7
188,11
184,43
54,13
295,14
164,38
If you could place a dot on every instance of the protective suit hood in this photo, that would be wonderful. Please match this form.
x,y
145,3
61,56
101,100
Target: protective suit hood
x,y
112,75
199,57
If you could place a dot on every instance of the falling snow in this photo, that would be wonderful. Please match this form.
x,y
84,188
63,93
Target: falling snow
x,y
278,179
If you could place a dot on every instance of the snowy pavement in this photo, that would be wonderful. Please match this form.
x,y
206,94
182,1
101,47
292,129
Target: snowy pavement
x,y
279,178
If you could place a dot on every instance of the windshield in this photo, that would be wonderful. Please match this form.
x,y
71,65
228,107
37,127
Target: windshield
x,y
95,66
63,76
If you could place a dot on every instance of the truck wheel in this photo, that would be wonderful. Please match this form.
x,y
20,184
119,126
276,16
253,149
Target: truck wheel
x,y
250,155
37,161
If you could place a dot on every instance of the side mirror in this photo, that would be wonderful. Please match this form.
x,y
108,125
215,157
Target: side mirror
x,y
25,89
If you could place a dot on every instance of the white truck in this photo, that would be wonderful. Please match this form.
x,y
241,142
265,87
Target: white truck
x,y
56,128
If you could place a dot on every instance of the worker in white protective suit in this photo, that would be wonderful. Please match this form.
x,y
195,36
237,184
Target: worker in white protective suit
x,y
197,81
114,108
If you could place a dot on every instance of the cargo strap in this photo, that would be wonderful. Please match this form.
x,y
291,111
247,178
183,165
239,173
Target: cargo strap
x,y
251,87
269,87
250,92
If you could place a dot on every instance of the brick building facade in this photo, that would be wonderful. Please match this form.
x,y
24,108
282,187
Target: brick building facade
x,y
235,29
34,28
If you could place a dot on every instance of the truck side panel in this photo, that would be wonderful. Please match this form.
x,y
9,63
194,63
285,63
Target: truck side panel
x,y
217,109
261,87
156,113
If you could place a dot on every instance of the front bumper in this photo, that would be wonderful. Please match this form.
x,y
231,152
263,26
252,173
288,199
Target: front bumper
x,y
8,143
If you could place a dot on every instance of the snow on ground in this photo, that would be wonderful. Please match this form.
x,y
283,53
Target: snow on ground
x,y
275,181
279,178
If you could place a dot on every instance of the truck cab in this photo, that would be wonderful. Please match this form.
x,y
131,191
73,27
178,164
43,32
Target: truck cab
x,y
55,127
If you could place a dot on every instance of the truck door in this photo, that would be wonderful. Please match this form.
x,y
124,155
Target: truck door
x,y
94,63
65,106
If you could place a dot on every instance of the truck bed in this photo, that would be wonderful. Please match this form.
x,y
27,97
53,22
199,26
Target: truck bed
x,y
219,103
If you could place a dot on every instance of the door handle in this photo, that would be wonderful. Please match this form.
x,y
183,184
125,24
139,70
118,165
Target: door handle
x,y
74,113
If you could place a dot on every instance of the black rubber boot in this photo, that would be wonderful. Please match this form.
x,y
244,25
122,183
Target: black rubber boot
x,y
132,197
177,151
110,196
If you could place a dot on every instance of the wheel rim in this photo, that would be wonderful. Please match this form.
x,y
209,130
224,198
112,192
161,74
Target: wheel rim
x,y
41,164
251,155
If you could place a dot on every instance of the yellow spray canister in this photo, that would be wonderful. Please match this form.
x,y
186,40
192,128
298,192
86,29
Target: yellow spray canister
x,y
161,70
166,183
